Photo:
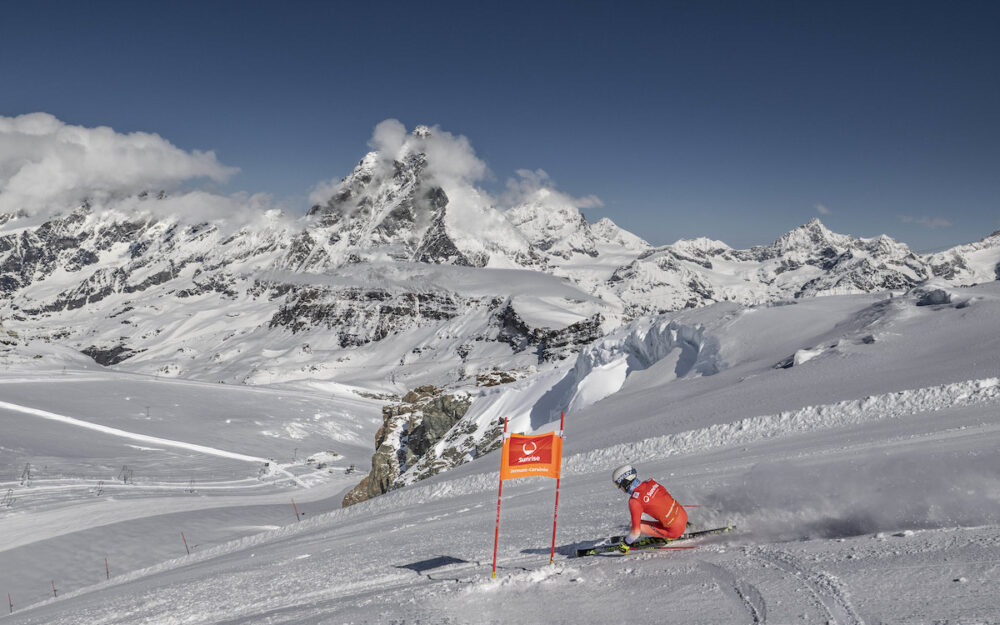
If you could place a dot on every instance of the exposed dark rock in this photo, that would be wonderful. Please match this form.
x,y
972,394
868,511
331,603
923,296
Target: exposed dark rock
x,y
359,493
624,273
109,356
360,316
157,278
949,269
668,262
9,284
549,344
513,330
785,363
701,261
560,344
933,297
138,248
437,246
496,378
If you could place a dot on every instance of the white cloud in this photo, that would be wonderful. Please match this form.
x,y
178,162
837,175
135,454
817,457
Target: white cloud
x,y
323,191
229,213
822,209
449,157
927,222
48,165
388,138
536,186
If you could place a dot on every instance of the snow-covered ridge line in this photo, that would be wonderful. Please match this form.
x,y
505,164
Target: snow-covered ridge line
x,y
806,419
789,423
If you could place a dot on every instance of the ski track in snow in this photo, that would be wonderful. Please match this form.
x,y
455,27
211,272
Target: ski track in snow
x,y
825,588
747,594
143,438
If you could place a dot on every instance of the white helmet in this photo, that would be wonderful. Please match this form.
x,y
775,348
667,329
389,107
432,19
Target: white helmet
x,y
623,476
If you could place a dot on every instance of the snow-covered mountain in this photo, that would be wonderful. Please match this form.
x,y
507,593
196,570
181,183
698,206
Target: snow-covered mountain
x,y
400,207
389,255
407,275
384,256
973,263
809,260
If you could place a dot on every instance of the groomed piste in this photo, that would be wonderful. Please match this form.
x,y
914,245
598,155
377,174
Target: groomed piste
x,y
863,482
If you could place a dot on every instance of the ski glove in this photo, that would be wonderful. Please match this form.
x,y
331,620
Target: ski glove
x,y
623,546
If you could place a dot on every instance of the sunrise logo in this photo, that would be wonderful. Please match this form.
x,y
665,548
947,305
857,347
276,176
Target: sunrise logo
x,y
529,450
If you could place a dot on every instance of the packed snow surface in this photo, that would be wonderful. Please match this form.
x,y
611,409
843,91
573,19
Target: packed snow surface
x,y
851,439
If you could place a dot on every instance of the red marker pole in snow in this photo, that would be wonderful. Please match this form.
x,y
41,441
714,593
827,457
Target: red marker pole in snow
x,y
496,535
186,548
555,516
296,508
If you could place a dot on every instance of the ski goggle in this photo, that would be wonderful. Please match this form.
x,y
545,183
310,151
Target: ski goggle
x,y
625,480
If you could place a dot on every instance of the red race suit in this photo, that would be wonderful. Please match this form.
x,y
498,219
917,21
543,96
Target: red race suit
x,y
654,500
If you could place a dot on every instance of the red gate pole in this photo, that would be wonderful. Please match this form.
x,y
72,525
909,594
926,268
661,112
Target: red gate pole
x,y
496,535
555,516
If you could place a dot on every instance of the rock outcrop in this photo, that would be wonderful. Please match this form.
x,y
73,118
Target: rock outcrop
x,y
409,429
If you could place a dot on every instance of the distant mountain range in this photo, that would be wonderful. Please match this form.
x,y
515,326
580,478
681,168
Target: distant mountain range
x,y
403,276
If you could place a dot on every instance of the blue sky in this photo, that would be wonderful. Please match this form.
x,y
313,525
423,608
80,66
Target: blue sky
x,y
737,121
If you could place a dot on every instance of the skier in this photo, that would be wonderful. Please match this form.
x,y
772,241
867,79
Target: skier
x,y
651,498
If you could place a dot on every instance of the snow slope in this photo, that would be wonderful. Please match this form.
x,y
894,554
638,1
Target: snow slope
x,y
852,439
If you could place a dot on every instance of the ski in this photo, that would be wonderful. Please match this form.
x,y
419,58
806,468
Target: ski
x,y
684,536
652,542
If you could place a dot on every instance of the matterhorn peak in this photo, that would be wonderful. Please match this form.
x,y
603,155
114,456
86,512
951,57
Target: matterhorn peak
x,y
422,131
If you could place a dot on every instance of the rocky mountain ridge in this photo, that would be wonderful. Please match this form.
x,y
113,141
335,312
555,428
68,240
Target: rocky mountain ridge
x,y
115,266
